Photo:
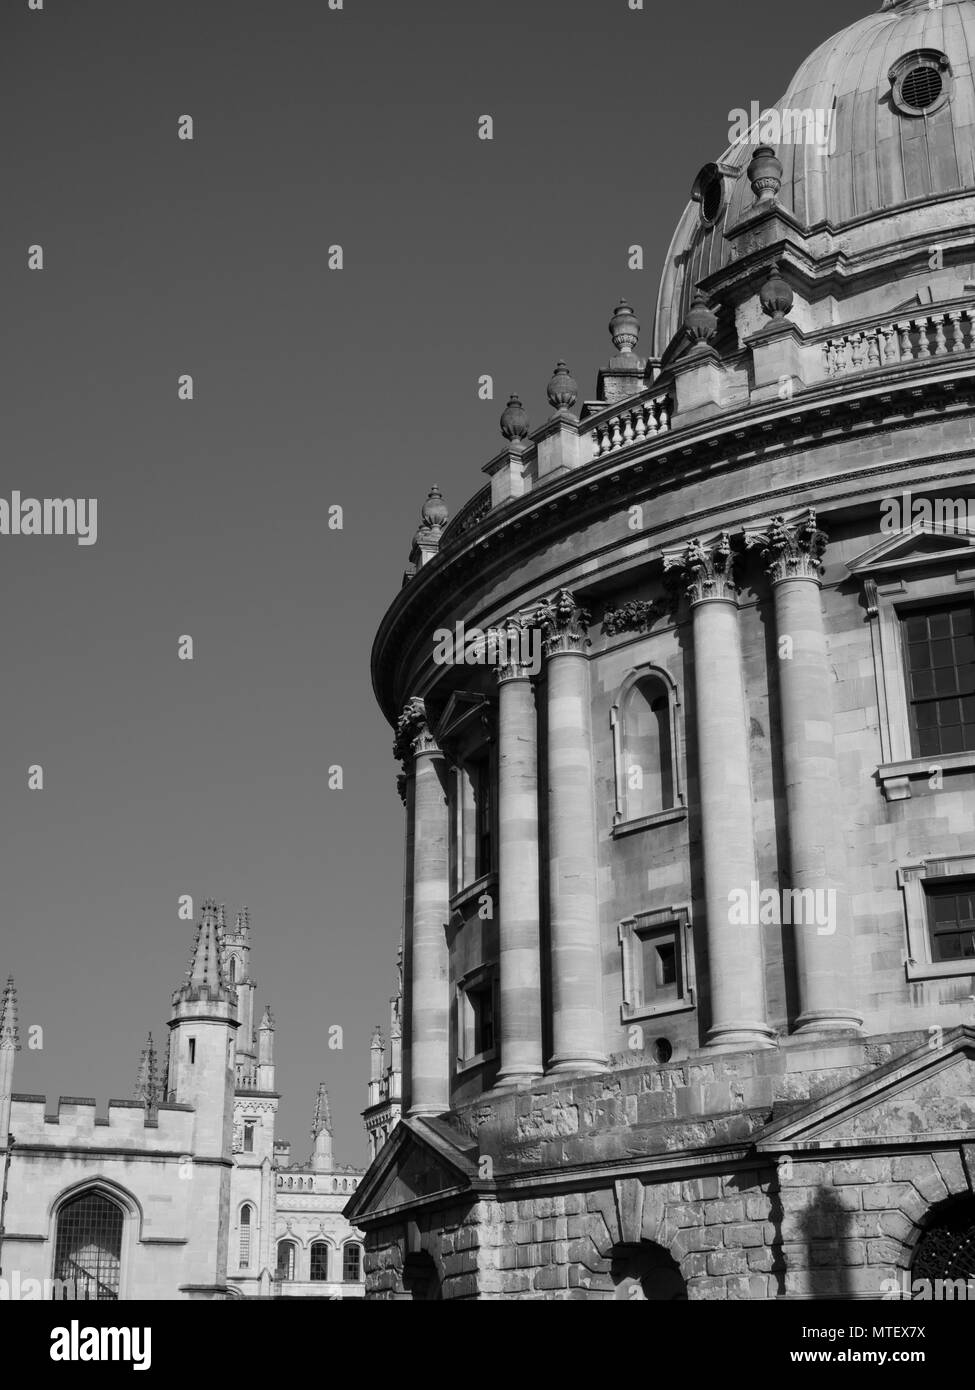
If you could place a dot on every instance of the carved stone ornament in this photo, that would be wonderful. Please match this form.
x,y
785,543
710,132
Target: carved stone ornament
x,y
635,616
792,549
413,734
563,623
704,570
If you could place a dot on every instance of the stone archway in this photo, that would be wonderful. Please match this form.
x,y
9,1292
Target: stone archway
x,y
945,1249
646,1273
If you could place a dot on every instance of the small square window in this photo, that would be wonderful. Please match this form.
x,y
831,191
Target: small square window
x,y
661,970
477,1012
657,963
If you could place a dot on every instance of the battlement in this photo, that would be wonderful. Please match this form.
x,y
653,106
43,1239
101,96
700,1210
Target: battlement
x,y
128,1124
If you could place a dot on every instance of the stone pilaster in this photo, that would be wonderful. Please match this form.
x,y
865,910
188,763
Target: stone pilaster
x,y
427,929
577,1024
823,932
736,966
518,869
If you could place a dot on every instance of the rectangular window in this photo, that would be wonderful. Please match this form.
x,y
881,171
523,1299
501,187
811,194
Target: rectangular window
x,y
939,645
477,1011
473,820
192,1042
951,920
249,1127
660,958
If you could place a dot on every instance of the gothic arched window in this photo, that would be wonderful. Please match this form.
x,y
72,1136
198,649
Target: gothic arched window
x,y
645,734
246,1212
287,1255
352,1263
319,1262
88,1247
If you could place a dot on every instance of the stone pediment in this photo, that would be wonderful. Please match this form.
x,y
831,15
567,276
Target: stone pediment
x,y
926,1095
422,1161
923,543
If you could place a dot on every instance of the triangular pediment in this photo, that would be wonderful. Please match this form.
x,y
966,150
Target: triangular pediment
x,y
926,1094
923,543
462,711
423,1161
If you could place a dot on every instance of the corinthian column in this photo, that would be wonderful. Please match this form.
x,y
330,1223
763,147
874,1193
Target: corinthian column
x,y
735,961
818,905
520,963
430,983
577,1021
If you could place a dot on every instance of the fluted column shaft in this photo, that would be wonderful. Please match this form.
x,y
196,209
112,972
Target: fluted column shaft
x,y
430,993
822,930
577,1023
735,955
520,963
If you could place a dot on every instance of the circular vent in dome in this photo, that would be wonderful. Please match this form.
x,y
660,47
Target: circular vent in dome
x,y
920,82
921,88
709,193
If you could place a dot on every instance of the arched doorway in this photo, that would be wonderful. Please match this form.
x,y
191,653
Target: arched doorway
x,y
421,1282
646,1273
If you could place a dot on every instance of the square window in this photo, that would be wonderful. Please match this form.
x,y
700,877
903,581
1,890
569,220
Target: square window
x,y
951,919
657,963
661,975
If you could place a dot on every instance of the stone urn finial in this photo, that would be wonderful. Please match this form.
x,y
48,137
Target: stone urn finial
x,y
434,511
624,327
563,389
765,174
700,322
776,295
514,420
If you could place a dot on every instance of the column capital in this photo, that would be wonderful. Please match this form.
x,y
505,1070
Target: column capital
x,y
563,624
704,569
791,549
514,641
413,734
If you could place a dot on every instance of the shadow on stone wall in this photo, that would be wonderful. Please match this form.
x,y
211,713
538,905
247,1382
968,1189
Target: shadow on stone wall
x,y
824,1229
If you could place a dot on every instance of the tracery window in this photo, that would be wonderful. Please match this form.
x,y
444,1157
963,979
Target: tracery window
x,y
88,1246
245,1235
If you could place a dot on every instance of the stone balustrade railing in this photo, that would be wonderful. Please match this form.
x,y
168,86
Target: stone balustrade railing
x,y
470,515
631,422
913,338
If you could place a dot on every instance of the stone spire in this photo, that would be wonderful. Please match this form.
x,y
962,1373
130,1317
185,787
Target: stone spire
x,y
323,1113
9,1031
147,1082
205,978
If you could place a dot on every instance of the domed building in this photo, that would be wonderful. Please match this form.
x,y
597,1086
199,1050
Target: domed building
x,y
684,700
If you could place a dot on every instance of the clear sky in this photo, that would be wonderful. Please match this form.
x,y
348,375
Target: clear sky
x,y
311,388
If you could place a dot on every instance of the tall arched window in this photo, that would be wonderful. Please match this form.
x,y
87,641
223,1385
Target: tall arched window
x,y
233,970
88,1247
287,1255
644,728
319,1262
246,1212
352,1263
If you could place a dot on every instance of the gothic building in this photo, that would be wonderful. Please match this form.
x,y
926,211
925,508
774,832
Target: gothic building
x,y
182,1192
386,1073
684,699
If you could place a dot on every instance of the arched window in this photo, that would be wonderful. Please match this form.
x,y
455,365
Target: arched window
x,y
287,1254
352,1263
945,1253
319,1262
233,970
335,1184
647,1273
644,728
88,1247
245,1235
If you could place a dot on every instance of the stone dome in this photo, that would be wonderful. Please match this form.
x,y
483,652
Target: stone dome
x,y
897,94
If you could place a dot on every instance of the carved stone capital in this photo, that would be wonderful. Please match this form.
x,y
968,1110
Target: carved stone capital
x,y
704,569
792,549
563,624
518,644
413,734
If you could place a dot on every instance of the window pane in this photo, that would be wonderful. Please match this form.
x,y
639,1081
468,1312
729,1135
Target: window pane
x,y
319,1262
351,1263
939,645
88,1247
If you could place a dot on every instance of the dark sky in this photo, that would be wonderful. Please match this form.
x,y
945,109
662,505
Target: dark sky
x,y
312,388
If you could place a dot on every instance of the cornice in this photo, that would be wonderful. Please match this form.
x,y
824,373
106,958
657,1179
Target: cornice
x,y
867,404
